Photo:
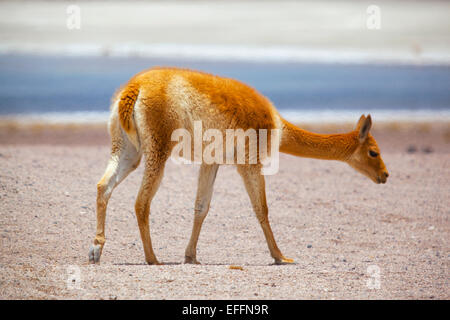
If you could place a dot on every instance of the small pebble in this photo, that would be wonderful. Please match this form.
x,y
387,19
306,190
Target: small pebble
x,y
411,149
427,150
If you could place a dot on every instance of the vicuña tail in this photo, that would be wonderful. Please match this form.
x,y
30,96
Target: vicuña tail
x,y
127,101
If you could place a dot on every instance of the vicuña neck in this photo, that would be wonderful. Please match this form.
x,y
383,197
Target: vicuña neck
x,y
302,143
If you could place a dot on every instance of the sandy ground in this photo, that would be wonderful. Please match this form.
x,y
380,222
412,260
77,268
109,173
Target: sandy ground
x,y
337,225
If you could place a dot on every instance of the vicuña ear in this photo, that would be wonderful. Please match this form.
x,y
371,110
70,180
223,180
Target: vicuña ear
x,y
360,122
364,126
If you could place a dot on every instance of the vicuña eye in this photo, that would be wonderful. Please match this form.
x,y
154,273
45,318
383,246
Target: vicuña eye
x,y
373,154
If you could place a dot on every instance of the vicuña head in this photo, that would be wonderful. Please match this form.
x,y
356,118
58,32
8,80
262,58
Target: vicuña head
x,y
357,148
367,158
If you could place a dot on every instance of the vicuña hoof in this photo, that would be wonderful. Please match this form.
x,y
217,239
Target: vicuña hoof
x,y
191,260
284,261
95,252
155,263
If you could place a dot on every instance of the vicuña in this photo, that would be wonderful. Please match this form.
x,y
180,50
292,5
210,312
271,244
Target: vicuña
x,y
154,103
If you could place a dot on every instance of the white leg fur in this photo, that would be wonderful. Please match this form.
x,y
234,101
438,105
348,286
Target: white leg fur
x,y
124,159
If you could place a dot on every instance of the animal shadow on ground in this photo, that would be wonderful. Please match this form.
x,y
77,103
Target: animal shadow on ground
x,y
202,264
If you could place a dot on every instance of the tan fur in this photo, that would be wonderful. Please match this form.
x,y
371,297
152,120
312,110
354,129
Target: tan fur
x,y
127,101
158,101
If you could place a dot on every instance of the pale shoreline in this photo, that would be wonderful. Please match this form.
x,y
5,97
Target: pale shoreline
x,y
232,53
317,117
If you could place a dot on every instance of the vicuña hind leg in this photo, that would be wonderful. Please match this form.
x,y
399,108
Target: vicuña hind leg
x,y
154,168
206,178
124,159
255,185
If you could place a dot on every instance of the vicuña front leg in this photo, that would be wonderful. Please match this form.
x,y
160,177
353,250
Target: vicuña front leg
x,y
255,185
206,178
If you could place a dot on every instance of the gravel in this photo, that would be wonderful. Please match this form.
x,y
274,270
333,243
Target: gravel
x,y
350,238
